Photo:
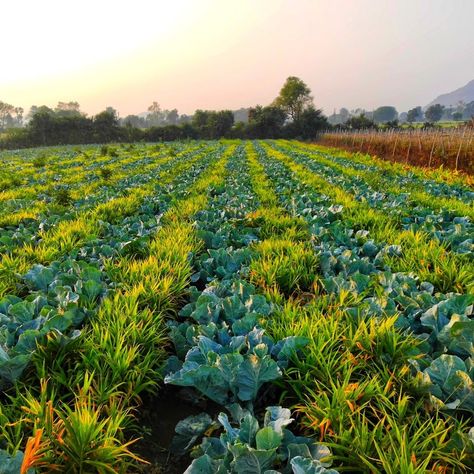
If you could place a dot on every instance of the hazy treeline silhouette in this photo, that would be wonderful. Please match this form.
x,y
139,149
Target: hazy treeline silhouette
x,y
387,114
291,115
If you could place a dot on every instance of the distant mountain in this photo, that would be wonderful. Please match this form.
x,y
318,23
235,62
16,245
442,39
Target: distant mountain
x,y
464,94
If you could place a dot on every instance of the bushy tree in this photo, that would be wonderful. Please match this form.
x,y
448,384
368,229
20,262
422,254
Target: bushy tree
x,y
303,118
434,112
172,117
360,122
266,122
415,114
68,109
310,122
155,115
468,111
106,126
200,120
294,98
386,113
392,124
10,116
134,121
344,114
211,124
220,123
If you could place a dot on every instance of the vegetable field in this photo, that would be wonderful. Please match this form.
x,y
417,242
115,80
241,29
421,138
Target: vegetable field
x,y
310,310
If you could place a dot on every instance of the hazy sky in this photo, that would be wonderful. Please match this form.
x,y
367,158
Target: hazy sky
x,y
215,54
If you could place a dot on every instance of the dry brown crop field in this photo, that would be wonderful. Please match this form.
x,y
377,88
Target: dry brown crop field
x,y
448,147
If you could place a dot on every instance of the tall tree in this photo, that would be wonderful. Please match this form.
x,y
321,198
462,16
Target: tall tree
x,y
359,122
155,116
172,116
434,112
386,113
309,123
68,109
294,98
106,125
344,114
10,116
415,114
468,111
134,121
266,122
211,124
6,111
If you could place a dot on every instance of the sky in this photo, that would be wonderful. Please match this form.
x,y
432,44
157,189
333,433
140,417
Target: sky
x,y
227,54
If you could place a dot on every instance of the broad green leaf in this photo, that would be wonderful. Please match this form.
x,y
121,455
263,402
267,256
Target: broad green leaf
x,y
39,277
202,465
11,464
253,373
188,431
267,439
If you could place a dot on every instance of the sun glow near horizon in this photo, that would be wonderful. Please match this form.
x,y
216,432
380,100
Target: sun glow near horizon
x,y
227,54
60,37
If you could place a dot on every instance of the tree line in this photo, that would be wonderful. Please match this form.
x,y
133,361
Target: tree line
x,y
291,115
388,116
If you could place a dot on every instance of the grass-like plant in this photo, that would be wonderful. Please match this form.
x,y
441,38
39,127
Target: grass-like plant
x,y
288,265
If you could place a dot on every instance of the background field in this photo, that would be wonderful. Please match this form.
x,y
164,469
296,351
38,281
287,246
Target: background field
x,y
451,148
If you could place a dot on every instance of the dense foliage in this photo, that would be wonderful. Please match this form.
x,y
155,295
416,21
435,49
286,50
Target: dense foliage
x,y
293,115
316,306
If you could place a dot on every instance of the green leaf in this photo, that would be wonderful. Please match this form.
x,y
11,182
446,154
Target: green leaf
x,y
253,373
247,463
248,429
11,464
39,277
458,336
302,465
61,322
27,341
188,431
208,380
202,465
12,368
451,382
23,311
91,289
268,439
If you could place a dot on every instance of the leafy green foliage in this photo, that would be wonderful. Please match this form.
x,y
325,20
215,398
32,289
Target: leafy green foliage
x,y
269,271
62,196
106,173
247,447
11,464
39,161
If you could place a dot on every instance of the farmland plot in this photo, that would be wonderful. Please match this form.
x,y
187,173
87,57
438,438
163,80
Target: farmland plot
x,y
318,308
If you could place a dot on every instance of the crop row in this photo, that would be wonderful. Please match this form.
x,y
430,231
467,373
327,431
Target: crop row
x,y
249,274
379,340
448,219
356,364
437,183
101,377
43,243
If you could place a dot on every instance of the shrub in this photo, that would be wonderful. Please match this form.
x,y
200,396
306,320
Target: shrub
x,y
39,161
62,196
106,173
